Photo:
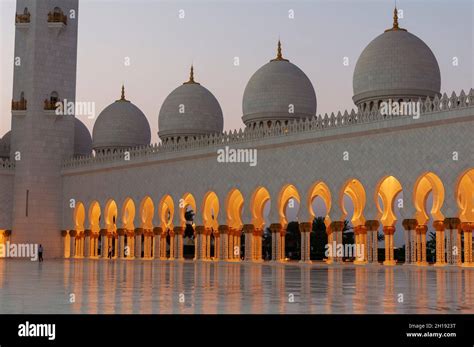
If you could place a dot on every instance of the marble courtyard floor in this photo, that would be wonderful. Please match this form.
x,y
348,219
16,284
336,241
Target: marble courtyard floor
x,y
102,286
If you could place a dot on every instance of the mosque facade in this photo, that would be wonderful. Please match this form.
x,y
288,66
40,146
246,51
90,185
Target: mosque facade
x,y
80,195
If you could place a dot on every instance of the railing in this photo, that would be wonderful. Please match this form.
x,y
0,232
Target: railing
x,y
315,124
51,105
6,164
19,105
23,18
57,17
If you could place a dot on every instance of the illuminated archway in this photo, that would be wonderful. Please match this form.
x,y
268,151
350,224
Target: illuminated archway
x,y
210,210
426,184
79,217
465,196
356,192
147,210
166,212
234,206
288,198
94,217
187,201
321,190
388,189
257,205
110,215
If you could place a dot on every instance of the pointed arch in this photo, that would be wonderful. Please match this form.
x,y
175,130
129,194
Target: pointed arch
x,y
186,201
259,199
166,212
354,189
234,206
426,184
94,217
465,196
210,210
288,194
387,189
79,217
147,211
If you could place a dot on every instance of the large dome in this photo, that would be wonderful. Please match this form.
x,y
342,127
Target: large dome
x,y
82,139
279,90
5,145
120,125
396,65
189,111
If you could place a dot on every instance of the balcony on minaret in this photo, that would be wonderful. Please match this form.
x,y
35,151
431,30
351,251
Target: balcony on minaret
x,y
57,20
19,107
22,21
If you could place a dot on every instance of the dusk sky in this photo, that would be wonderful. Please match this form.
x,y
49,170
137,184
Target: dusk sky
x,y
161,47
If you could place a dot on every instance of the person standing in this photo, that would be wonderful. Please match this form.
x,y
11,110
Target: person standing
x,y
40,253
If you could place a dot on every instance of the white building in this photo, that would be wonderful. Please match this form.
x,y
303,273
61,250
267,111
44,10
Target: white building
x,y
75,194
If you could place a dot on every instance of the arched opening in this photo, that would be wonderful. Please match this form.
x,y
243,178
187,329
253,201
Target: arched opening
x,y
110,244
319,203
234,207
94,221
147,209
210,211
79,219
465,200
260,205
386,195
166,213
187,213
289,204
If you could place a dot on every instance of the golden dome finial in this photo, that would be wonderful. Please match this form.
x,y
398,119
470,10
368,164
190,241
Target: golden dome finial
x,y
191,77
395,21
122,97
279,56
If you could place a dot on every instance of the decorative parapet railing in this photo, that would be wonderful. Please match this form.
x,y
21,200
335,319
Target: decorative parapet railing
x,y
315,124
51,105
57,16
23,18
19,105
7,164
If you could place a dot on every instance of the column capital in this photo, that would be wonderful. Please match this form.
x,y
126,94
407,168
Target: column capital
x,y
200,229
305,227
157,230
410,224
249,228
178,230
63,233
275,227
360,229
438,225
388,229
72,232
467,226
121,231
421,229
138,231
87,232
372,225
451,223
336,226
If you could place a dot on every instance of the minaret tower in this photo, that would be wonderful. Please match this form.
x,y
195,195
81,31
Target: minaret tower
x,y
44,73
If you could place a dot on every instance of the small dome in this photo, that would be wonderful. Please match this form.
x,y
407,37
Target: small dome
x,y
396,65
5,145
120,125
190,111
279,90
82,139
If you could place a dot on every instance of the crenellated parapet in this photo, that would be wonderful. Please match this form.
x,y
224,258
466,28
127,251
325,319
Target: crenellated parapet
x,y
366,114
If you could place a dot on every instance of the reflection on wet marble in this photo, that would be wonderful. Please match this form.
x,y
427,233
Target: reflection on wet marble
x,y
100,286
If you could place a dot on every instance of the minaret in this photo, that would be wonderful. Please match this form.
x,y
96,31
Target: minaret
x,y
46,47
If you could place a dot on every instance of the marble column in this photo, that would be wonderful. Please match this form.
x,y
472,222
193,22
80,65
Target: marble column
x,y
179,242
276,241
223,242
467,228
138,242
172,245
453,248
64,242
157,232
440,254
305,232
421,248
249,231
198,244
257,248
335,228
388,233
409,225
104,244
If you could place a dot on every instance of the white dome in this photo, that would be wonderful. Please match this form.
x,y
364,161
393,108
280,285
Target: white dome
x,y
396,65
5,142
82,139
279,90
190,110
120,125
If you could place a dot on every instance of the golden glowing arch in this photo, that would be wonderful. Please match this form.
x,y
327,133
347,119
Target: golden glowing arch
x,y
210,210
465,196
187,200
128,214
234,206
257,204
356,192
425,184
286,194
319,189
147,210
387,189
94,217
166,212
79,217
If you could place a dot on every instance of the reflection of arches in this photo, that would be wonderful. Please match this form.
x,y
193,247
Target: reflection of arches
x,y
288,193
128,214
234,206
319,189
257,205
147,210
388,188
425,184
79,217
166,212
210,210
94,217
356,192
465,196
187,201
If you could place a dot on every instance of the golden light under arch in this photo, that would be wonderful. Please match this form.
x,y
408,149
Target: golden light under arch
x,y
94,217
286,194
234,207
426,184
465,196
210,210
320,189
128,214
356,192
387,189
147,210
186,200
257,204
166,212
79,216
